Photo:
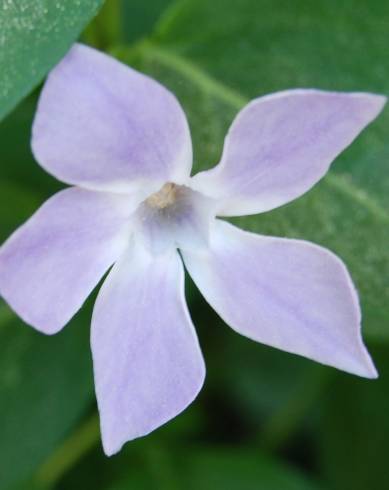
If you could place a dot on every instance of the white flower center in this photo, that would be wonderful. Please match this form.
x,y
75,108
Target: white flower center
x,y
175,216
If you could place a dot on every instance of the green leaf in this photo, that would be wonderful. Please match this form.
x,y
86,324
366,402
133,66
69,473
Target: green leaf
x,y
217,468
27,485
18,164
214,75
17,204
35,34
139,17
221,468
353,436
45,387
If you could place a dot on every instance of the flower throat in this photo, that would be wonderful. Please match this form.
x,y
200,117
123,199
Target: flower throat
x,y
165,197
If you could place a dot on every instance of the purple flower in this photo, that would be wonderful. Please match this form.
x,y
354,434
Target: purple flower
x,y
122,140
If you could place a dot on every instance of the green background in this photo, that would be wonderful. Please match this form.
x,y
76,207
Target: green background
x,y
265,419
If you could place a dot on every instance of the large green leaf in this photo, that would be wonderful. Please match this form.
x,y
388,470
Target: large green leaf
x,y
34,35
263,47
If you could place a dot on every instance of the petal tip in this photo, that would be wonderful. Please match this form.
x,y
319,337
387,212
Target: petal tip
x,y
370,371
37,324
369,105
364,366
378,102
111,449
113,445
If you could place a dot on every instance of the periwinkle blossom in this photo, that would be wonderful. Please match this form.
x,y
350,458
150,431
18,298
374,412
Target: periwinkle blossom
x,y
122,141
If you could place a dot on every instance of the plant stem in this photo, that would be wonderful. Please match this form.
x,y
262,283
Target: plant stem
x,y
72,450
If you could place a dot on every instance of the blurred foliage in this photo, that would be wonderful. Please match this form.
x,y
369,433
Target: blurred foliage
x,y
265,419
353,435
214,468
39,400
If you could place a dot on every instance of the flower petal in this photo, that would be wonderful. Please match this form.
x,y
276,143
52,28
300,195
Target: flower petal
x,y
280,145
147,361
104,126
285,293
50,265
